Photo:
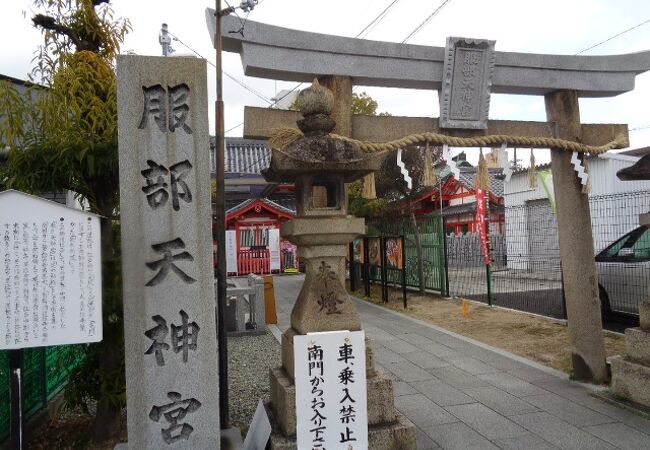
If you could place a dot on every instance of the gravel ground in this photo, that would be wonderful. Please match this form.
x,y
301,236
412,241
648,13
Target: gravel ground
x,y
249,360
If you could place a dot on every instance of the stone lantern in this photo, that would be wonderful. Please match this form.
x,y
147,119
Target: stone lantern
x,y
320,166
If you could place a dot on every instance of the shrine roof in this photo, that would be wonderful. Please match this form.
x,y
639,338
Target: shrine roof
x,y
264,203
469,208
467,176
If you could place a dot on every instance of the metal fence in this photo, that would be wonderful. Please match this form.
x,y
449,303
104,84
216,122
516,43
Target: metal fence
x,y
433,254
624,268
45,373
526,271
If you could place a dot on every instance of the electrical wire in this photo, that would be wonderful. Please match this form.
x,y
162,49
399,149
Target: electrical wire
x,y
230,129
243,23
426,21
242,84
615,36
381,16
376,20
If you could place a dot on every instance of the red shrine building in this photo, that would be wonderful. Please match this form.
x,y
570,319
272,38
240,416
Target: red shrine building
x,y
255,223
255,209
455,199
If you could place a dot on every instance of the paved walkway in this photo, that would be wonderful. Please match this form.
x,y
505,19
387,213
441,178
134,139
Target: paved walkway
x,y
465,395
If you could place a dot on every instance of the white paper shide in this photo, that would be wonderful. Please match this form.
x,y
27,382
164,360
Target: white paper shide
x,y
50,273
331,397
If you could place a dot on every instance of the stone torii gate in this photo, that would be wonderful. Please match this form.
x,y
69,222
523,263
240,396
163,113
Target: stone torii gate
x,y
464,72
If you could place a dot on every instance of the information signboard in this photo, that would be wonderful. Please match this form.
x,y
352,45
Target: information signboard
x,y
50,276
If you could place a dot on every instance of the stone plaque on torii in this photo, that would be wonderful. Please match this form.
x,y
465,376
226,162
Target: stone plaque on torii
x,y
340,62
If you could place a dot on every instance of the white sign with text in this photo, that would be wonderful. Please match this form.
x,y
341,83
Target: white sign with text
x,y
231,251
50,275
274,249
331,397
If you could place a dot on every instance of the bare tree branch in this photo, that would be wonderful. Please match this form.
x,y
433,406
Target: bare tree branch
x,y
80,42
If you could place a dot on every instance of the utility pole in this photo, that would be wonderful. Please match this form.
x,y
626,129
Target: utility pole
x,y
220,234
220,214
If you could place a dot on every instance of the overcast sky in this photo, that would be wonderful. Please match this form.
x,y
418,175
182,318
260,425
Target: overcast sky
x,y
550,26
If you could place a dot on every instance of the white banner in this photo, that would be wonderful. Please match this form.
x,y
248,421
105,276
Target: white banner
x,y
331,397
274,249
231,251
50,279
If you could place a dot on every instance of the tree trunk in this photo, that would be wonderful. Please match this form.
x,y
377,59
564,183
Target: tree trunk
x,y
418,249
107,416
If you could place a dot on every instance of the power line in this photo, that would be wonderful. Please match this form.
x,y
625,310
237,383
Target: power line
x,y
377,19
615,36
425,21
230,129
245,86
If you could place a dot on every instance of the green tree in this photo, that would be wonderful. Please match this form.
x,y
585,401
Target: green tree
x,y
392,189
62,135
390,185
364,104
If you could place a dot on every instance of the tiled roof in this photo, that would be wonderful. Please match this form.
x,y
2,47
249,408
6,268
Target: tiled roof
x,y
246,156
468,208
467,176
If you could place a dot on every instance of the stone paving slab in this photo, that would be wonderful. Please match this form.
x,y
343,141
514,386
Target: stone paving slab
x,y
441,393
457,377
560,433
462,394
487,422
458,436
621,436
471,365
422,411
426,360
425,442
500,401
511,384
527,441
567,410
407,371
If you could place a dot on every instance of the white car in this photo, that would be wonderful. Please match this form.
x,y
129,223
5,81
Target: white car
x,y
624,273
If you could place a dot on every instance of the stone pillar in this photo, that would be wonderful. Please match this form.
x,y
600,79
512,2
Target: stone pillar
x,y
576,246
257,282
169,321
341,87
631,372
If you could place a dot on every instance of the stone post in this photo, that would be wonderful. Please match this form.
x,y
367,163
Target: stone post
x,y
576,246
169,304
257,282
631,372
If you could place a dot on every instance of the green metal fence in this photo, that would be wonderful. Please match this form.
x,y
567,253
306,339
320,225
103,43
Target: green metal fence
x,y
433,252
45,373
